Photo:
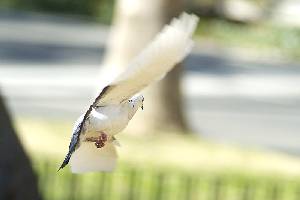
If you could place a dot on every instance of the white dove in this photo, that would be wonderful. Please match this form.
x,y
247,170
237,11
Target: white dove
x,y
92,147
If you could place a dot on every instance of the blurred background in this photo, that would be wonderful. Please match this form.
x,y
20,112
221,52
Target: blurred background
x,y
223,125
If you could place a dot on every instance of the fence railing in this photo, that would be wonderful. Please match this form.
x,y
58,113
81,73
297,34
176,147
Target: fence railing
x,y
130,183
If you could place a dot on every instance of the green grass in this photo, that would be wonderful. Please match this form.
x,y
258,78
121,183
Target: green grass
x,y
259,37
132,182
50,139
166,166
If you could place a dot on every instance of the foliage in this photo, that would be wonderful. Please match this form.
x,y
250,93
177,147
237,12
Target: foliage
x,y
160,167
159,150
96,9
259,37
130,182
268,37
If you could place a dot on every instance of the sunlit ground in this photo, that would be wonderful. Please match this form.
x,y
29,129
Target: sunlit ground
x,y
49,140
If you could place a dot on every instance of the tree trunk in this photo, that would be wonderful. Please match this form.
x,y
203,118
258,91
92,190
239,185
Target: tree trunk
x,y
17,180
136,22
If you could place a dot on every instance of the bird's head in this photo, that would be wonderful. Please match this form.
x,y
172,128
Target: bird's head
x,y
134,104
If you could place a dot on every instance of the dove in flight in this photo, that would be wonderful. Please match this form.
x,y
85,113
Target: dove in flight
x,y
92,146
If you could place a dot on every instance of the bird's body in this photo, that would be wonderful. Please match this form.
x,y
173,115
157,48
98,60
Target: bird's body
x,y
110,119
92,143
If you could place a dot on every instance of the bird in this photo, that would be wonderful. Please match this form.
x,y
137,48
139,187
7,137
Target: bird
x,y
93,143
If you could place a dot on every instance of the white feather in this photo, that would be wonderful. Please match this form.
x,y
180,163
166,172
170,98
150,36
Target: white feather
x,y
88,158
168,48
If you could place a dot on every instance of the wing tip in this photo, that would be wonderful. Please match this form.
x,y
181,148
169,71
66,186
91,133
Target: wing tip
x,y
65,162
188,22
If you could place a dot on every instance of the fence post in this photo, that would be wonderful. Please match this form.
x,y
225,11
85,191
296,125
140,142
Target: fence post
x,y
44,179
274,192
188,187
158,187
246,195
131,185
297,192
217,189
102,186
73,191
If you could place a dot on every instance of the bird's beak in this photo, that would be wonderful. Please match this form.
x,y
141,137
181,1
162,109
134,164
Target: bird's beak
x,y
142,107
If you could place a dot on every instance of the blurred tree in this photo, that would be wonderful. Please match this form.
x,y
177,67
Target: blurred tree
x,y
241,11
17,180
269,8
207,8
97,9
135,23
219,7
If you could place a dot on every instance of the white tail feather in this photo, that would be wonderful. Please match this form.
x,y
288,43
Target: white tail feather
x,y
88,158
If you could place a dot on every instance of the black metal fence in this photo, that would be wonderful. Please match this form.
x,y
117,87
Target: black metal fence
x,y
130,183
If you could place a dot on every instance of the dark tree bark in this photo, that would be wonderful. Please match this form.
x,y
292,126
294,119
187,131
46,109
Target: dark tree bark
x,y
17,179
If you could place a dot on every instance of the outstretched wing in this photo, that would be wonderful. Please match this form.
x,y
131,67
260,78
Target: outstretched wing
x,y
168,48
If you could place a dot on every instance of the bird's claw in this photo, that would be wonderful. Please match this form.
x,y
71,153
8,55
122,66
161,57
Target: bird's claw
x,y
99,141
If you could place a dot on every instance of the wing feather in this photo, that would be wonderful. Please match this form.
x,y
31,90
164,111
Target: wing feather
x,y
167,49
